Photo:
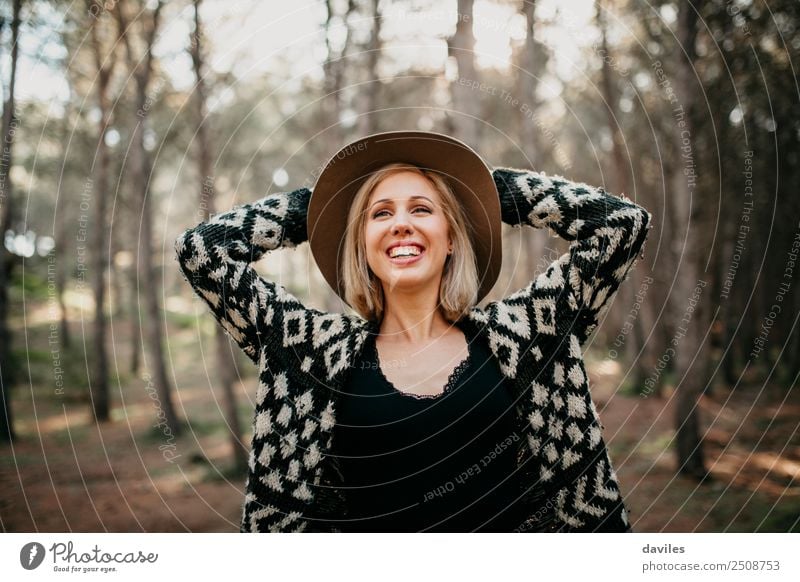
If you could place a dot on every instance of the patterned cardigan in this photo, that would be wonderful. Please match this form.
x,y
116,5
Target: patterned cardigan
x,y
535,334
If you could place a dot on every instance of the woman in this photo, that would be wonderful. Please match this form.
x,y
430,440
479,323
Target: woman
x,y
423,412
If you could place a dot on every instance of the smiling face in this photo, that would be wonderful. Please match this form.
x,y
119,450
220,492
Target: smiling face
x,y
401,243
406,233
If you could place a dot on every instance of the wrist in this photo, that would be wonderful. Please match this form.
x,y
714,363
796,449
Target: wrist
x,y
514,207
295,222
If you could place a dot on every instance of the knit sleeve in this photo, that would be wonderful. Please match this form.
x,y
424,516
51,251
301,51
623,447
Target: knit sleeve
x,y
606,233
538,331
215,258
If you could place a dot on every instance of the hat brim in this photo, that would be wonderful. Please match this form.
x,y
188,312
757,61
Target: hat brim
x,y
466,173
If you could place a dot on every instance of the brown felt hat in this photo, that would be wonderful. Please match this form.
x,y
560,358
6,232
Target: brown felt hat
x,y
463,169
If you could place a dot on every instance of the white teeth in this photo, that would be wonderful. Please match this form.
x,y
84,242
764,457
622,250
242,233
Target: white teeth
x,y
404,251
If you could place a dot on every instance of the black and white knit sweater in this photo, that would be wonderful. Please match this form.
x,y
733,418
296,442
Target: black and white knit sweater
x,y
535,335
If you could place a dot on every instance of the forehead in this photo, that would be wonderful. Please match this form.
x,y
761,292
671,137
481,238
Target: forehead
x,y
404,185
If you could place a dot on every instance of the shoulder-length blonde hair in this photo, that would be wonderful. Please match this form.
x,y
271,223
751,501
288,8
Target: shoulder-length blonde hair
x,y
458,291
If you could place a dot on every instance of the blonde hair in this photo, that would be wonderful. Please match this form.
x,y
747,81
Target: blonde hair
x,y
458,291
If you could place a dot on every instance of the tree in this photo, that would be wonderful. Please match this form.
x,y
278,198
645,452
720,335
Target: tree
x,y
465,123
105,61
366,122
6,205
620,185
531,60
689,339
334,132
141,69
207,192
334,68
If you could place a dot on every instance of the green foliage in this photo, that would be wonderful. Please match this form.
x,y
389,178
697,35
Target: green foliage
x,y
72,436
30,285
227,472
183,320
46,371
743,511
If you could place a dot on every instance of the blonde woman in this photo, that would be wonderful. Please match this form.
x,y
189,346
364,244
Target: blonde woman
x,y
421,411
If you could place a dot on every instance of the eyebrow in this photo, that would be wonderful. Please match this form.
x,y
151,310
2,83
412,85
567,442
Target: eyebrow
x,y
418,197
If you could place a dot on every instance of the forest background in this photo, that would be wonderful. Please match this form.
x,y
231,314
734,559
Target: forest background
x,y
124,408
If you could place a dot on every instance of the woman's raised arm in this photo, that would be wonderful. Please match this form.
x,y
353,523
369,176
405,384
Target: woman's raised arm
x,y
540,330
215,258
607,235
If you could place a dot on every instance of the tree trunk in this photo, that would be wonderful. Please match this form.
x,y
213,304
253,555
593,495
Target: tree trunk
x,y
334,77
99,242
645,288
151,282
531,65
6,198
464,124
369,94
225,360
141,70
690,347
116,278
136,337
793,351
627,294
334,132
531,60
130,230
61,280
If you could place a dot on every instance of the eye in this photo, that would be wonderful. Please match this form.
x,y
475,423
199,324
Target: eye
x,y
425,209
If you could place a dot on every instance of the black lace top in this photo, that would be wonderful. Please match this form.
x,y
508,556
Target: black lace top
x,y
429,463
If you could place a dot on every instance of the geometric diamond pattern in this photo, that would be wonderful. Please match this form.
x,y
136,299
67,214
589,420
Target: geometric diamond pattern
x,y
545,310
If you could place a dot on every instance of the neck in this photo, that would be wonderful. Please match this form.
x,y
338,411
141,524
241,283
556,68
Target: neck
x,y
412,317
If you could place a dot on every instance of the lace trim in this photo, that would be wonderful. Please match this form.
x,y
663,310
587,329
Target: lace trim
x,y
448,387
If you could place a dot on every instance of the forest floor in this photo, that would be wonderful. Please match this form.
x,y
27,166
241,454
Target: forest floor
x,y
65,473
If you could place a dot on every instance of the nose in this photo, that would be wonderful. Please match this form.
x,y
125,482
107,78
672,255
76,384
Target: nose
x,y
401,224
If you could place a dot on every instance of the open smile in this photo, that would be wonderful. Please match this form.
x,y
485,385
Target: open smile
x,y
405,254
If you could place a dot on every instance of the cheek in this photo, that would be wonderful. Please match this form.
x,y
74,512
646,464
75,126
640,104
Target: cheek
x,y
371,243
443,232
369,238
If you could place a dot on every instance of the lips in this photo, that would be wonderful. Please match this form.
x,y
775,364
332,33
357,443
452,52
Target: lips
x,y
405,259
